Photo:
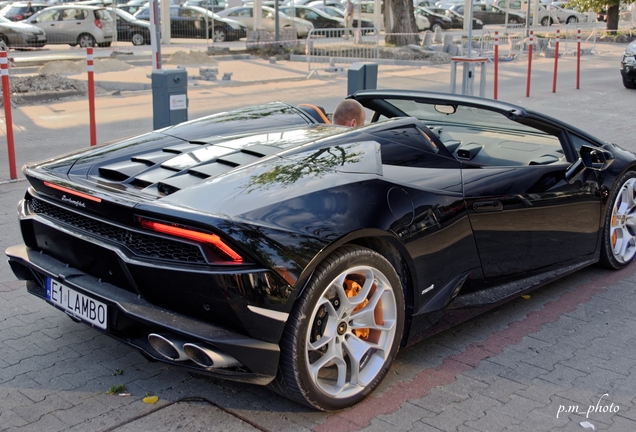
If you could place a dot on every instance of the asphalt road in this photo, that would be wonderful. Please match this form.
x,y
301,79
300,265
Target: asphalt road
x,y
563,357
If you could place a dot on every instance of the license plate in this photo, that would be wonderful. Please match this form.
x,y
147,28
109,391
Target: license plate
x,y
41,37
76,304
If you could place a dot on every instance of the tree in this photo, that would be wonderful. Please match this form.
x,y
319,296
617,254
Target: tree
x,y
612,7
400,22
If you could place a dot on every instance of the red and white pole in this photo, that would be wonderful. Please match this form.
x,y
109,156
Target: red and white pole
x,y
530,44
556,60
496,64
6,99
578,58
91,94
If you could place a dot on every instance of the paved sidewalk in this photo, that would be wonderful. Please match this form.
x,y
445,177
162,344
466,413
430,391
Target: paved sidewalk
x,y
563,357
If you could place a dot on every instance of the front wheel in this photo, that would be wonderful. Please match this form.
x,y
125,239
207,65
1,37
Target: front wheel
x,y
138,38
619,233
85,40
344,331
628,83
436,26
513,21
546,21
571,20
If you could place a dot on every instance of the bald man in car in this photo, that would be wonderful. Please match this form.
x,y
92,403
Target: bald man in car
x,y
349,113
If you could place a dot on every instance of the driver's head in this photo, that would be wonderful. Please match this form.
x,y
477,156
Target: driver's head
x,y
349,113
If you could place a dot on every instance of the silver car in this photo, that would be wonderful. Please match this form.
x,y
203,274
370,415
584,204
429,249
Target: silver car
x,y
76,24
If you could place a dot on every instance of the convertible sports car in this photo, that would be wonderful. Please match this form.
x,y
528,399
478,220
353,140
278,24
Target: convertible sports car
x,y
268,246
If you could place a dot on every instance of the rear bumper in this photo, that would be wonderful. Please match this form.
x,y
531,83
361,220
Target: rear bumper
x,y
131,319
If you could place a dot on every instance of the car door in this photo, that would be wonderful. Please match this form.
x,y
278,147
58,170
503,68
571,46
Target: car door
x,y
243,15
524,214
72,23
193,23
49,21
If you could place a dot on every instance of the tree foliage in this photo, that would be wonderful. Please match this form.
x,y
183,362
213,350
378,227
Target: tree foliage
x,y
611,6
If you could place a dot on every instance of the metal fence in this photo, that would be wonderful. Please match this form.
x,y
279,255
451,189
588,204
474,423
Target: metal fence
x,y
335,49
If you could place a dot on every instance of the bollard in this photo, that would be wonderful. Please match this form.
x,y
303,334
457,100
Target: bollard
x,y
496,64
556,60
91,95
6,99
530,44
578,58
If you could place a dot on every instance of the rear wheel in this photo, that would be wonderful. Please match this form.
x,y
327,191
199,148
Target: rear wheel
x,y
219,35
436,26
4,43
343,332
85,40
619,234
513,21
571,20
546,21
628,83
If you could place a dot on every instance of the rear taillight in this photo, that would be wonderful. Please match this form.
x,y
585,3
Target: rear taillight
x,y
98,23
198,236
18,18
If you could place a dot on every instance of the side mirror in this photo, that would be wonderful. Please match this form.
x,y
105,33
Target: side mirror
x,y
591,158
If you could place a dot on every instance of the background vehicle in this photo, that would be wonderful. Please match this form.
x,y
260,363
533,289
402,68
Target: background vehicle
x,y
20,34
131,29
191,21
491,14
317,17
457,20
213,5
436,20
245,15
628,66
339,13
16,11
75,24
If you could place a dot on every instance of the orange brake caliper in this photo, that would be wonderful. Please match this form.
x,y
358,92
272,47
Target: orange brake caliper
x,y
353,288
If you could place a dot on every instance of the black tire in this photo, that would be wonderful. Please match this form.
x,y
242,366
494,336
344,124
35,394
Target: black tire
x,y
513,21
628,83
322,338
571,20
85,40
138,38
104,44
436,26
618,247
4,43
546,21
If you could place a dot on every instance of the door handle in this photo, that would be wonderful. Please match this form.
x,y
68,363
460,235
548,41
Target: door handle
x,y
488,206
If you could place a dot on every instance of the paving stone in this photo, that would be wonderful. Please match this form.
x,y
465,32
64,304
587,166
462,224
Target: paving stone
x,y
563,376
487,372
34,412
437,400
450,419
477,404
492,421
9,419
406,416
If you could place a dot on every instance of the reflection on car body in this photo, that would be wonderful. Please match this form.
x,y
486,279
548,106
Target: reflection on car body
x,y
267,246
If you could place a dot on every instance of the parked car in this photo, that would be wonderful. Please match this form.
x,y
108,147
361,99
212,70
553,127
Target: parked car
x,y
133,6
20,34
319,19
436,20
266,246
213,5
457,20
332,3
628,66
131,29
489,14
565,16
75,24
339,13
17,11
196,22
245,15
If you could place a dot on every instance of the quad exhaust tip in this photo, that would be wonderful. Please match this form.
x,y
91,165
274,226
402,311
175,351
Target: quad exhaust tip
x,y
172,348
176,349
209,359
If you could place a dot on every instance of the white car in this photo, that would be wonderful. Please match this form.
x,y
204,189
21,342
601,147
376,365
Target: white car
x,y
566,16
75,24
245,15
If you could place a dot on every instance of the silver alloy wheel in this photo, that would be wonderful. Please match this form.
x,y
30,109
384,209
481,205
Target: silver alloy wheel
x,y
623,223
219,36
351,333
85,40
137,39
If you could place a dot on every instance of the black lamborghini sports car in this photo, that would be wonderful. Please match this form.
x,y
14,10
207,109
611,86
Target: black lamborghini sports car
x,y
268,246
